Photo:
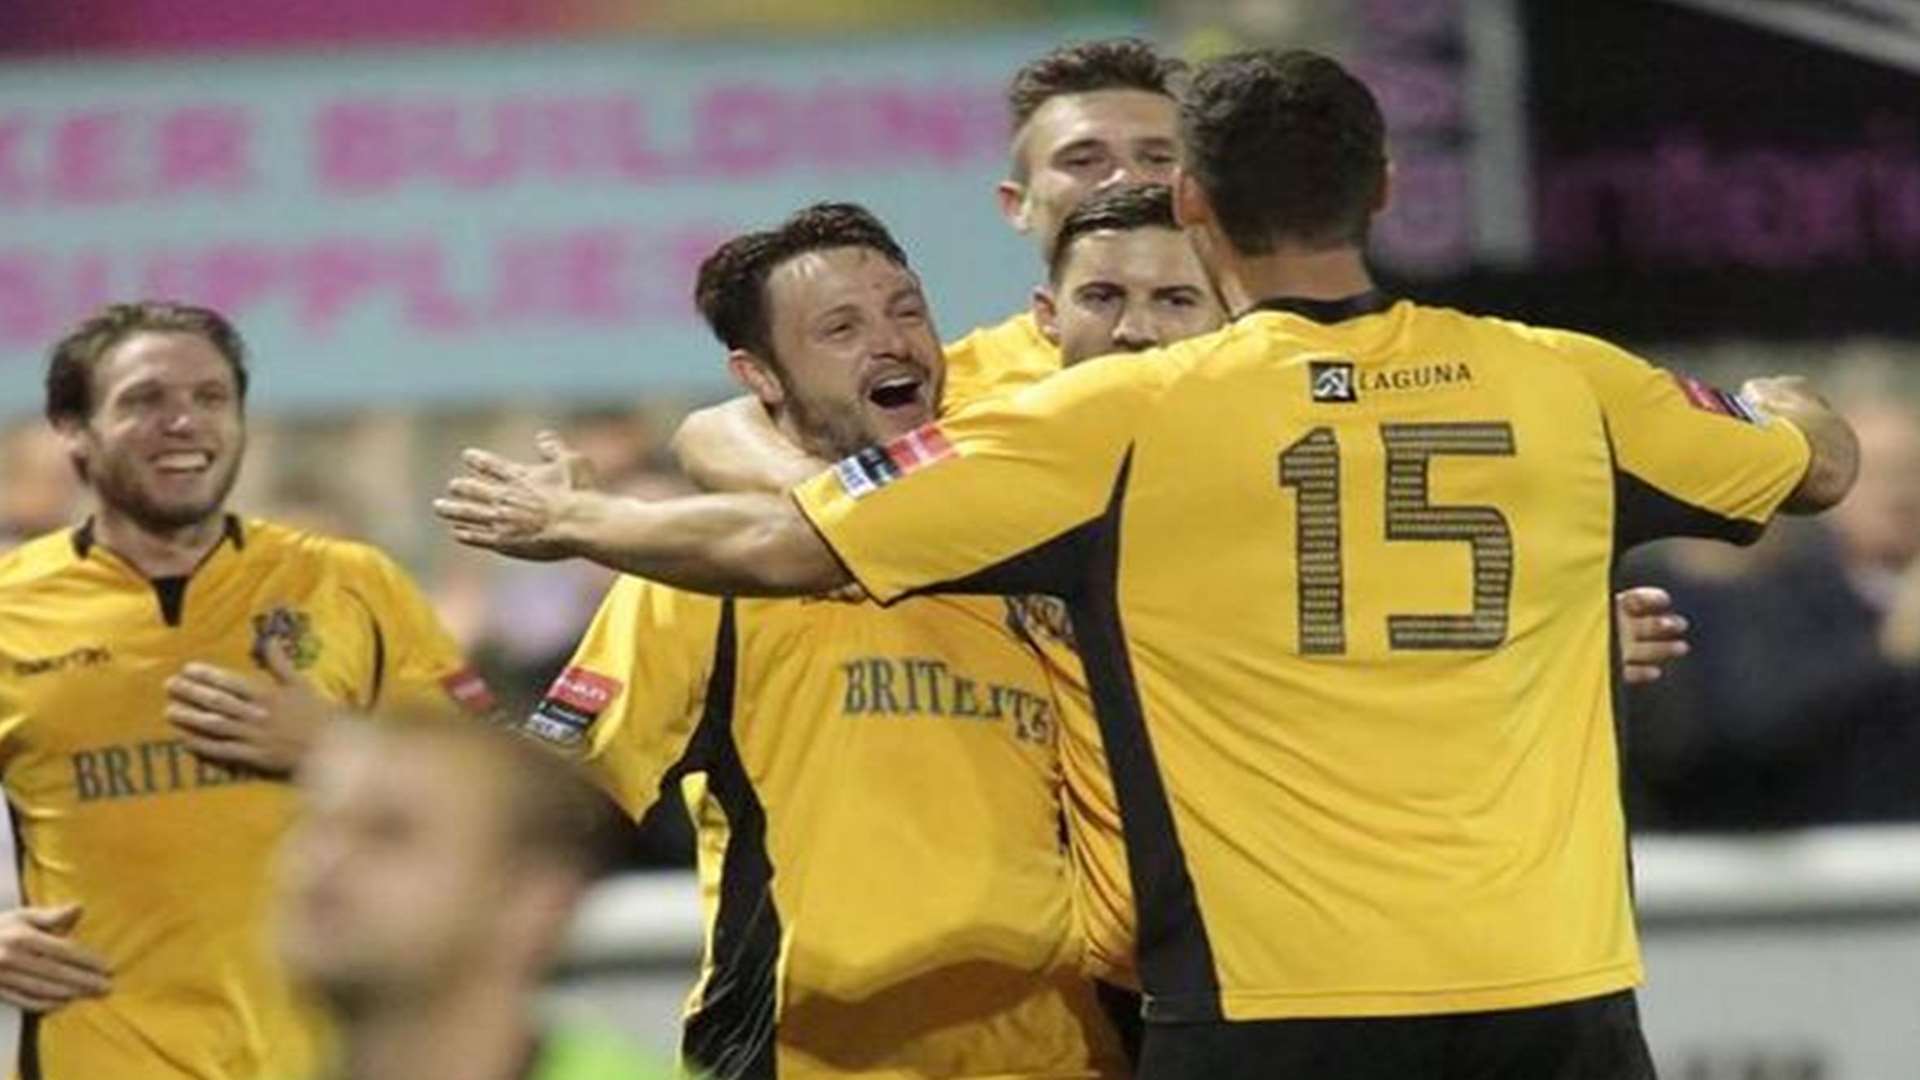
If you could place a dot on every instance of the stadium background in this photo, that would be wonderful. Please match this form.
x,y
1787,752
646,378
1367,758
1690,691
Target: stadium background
x,y
449,222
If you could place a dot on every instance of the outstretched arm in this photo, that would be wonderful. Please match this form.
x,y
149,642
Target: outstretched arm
x,y
734,446
750,544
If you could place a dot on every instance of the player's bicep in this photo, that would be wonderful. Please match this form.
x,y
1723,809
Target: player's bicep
x,y
1690,459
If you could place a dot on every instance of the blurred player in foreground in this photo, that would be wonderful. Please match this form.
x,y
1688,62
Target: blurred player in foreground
x,y
1338,576
162,667
876,790
426,890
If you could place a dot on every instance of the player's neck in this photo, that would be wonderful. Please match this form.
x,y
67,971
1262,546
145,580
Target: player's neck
x,y
158,553
1246,280
480,1031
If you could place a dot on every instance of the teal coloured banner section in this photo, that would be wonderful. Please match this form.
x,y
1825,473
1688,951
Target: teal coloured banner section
x,y
459,226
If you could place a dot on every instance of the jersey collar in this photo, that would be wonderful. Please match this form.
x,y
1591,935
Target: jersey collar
x,y
230,528
1371,302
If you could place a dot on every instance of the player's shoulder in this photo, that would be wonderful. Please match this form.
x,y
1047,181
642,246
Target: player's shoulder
x,y
337,556
663,607
1560,341
1016,334
38,559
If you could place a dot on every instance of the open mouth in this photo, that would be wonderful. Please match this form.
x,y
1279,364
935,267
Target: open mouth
x,y
896,391
183,462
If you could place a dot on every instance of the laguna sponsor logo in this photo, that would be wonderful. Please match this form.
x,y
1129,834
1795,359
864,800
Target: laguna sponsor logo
x,y
1342,381
1331,380
877,466
573,703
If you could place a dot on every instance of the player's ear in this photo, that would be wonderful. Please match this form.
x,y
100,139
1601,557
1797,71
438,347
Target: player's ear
x,y
1385,198
1045,315
1191,210
73,436
757,376
1013,204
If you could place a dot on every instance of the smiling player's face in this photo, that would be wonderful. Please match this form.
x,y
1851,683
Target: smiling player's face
x,y
858,356
164,443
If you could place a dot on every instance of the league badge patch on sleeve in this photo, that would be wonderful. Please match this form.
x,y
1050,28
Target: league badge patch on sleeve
x,y
1708,398
877,466
573,703
470,691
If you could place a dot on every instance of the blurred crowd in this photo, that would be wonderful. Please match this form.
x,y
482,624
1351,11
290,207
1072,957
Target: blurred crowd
x,y
1799,704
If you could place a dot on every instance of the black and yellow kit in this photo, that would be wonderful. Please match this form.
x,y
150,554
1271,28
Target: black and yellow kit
x,y
876,797
986,363
170,855
1340,578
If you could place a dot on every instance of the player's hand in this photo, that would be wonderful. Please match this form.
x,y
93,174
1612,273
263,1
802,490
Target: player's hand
x,y
240,719
515,508
1651,635
40,969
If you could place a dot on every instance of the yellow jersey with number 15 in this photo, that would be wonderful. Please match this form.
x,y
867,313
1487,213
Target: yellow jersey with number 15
x,y
1340,581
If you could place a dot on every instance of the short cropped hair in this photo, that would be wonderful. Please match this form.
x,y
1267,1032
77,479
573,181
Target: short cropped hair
x,y
1122,208
1288,146
731,289
1108,64
71,365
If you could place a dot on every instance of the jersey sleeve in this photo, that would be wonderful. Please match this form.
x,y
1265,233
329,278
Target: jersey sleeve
x,y
629,702
1690,459
419,667
998,498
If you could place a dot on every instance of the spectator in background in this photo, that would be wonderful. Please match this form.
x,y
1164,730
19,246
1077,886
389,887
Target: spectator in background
x,y
1801,702
426,890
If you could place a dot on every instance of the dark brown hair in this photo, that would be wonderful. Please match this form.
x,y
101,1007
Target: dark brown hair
x,y
1084,67
731,289
71,366
1122,208
1288,146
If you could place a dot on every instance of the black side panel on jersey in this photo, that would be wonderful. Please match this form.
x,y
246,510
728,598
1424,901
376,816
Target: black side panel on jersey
x,y
1176,957
731,1035
1642,512
27,1061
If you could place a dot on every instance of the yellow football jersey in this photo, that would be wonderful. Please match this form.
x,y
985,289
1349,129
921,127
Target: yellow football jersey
x,y
170,855
1341,590
995,360
876,798
986,363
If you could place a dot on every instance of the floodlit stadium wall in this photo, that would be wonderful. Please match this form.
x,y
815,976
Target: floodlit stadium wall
x,y
1793,956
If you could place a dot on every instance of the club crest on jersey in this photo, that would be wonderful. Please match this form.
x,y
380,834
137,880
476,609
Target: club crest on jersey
x,y
293,629
1332,380
573,703
877,466
1709,398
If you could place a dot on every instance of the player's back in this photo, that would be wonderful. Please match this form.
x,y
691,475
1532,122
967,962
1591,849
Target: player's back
x,y
1360,574
1379,685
